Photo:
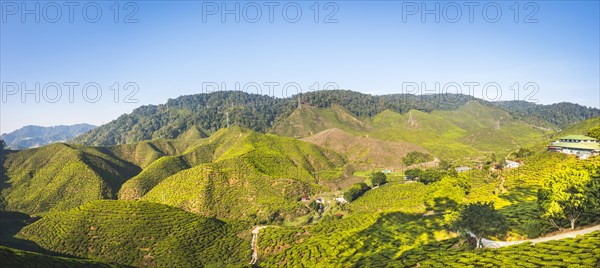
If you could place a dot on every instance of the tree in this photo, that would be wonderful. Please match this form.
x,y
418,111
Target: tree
x,y
480,219
522,153
355,191
416,158
412,174
565,195
378,178
594,133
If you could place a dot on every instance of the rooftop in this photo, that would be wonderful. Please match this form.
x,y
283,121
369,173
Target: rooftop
x,y
582,146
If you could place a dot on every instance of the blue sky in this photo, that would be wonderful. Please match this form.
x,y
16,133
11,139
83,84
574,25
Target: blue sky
x,y
550,55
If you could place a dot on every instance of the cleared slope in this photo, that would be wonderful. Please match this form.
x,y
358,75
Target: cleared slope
x,y
363,151
309,120
140,234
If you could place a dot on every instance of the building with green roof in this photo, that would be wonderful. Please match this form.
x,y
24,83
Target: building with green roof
x,y
580,145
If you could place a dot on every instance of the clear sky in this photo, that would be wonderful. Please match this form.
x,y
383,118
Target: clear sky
x,y
547,52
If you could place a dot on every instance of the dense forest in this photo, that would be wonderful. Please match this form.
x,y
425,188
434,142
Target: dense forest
x,y
559,115
217,110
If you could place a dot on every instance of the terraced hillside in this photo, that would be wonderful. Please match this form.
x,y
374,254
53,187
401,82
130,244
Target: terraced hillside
x,y
61,176
469,131
246,174
140,234
583,251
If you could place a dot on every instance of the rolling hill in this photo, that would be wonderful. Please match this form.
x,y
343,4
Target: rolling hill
x,y
140,234
470,131
36,136
234,173
60,176
244,174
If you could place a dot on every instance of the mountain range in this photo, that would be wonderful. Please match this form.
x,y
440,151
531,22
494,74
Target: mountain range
x,y
36,136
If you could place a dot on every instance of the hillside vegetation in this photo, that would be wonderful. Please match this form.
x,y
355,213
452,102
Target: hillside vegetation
x,y
210,112
60,176
248,174
558,115
19,258
140,234
468,131
364,152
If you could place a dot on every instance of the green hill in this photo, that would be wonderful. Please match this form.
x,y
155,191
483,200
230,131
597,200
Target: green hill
x,y
248,174
581,127
469,131
140,234
61,176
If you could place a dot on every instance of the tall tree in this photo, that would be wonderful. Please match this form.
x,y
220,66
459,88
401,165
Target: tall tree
x,y
378,178
565,195
594,133
480,219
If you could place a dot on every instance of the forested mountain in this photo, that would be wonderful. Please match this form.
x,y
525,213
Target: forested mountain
x,y
35,136
212,111
257,112
558,115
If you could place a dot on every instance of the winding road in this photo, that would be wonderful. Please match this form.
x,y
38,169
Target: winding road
x,y
571,234
254,243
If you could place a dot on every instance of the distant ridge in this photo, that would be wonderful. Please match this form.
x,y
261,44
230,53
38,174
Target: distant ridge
x,y
36,136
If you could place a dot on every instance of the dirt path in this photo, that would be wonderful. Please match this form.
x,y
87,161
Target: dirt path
x,y
498,244
254,243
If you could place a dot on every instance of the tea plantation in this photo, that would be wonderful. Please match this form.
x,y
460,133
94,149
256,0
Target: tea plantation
x,y
140,234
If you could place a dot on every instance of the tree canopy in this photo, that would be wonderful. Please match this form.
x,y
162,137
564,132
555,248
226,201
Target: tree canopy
x,y
565,195
481,219
378,178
